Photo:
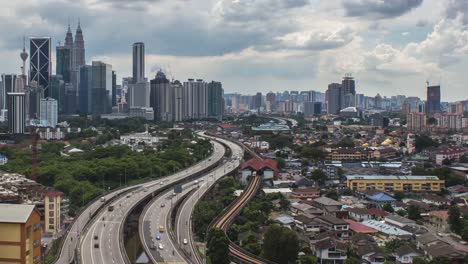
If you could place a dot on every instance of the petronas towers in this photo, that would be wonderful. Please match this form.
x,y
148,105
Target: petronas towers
x,y
77,52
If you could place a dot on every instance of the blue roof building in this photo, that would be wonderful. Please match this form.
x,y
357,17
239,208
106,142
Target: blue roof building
x,y
381,197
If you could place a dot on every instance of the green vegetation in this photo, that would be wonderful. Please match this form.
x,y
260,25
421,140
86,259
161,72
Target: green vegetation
x,y
217,247
414,213
454,220
84,176
345,143
278,141
255,214
213,204
280,244
312,152
443,173
423,142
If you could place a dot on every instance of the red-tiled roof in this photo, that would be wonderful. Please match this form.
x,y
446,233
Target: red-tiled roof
x,y
359,228
261,164
227,126
377,211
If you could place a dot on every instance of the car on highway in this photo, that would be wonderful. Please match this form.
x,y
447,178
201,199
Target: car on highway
x,y
160,246
161,229
162,183
110,208
103,199
185,241
96,245
158,237
128,195
162,205
95,237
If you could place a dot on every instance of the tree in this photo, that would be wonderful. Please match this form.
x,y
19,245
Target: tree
x,y
319,176
399,195
423,142
388,208
345,143
284,203
464,233
431,121
332,194
280,244
281,163
217,246
307,259
446,162
352,260
454,219
414,212
419,260
250,243
441,260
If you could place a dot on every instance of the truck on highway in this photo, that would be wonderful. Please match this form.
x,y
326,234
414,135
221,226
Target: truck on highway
x,y
110,208
161,229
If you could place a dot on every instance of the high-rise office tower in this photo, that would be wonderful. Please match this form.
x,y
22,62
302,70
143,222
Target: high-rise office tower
x,y
63,65
178,91
161,97
334,98
348,92
257,101
270,102
114,88
195,99
8,86
215,100
139,94
85,84
40,66
79,48
433,99
101,89
49,111
16,113
57,91
138,62
70,99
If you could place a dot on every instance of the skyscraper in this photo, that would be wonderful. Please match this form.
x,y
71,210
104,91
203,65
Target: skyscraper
x,y
63,65
85,84
40,66
195,99
348,92
8,86
78,48
161,97
433,99
16,113
215,100
178,90
114,89
270,102
49,111
257,101
138,62
57,91
101,89
22,80
334,98
139,94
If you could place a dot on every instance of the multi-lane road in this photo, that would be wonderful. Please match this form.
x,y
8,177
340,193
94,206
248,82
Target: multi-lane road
x,y
159,246
102,240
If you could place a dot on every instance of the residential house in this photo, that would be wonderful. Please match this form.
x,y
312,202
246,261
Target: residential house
x,y
406,254
328,205
427,240
387,231
435,200
305,193
445,250
359,228
439,219
285,220
384,153
452,154
349,154
3,159
399,221
307,223
337,225
330,250
360,214
377,214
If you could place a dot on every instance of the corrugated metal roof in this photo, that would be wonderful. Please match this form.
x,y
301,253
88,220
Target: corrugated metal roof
x,y
15,213
390,177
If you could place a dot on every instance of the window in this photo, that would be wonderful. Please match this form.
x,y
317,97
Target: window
x,y
51,213
51,227
36,243
51,206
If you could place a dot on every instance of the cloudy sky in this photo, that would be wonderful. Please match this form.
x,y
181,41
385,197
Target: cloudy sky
x,y
389,46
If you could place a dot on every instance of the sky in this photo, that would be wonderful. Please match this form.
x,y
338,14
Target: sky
x,y
389,46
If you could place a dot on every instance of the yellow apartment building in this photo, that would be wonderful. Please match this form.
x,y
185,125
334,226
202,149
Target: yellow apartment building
x,y
20,234
52,213
389,183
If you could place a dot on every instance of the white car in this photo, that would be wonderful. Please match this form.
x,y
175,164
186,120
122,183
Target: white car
x,y
160,246
185,241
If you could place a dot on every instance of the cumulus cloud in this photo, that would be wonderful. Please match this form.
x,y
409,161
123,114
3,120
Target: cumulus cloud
x,y
379,8
317,39
455,7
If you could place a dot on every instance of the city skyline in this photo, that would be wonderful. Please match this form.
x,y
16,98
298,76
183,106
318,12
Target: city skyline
x,y
390,47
